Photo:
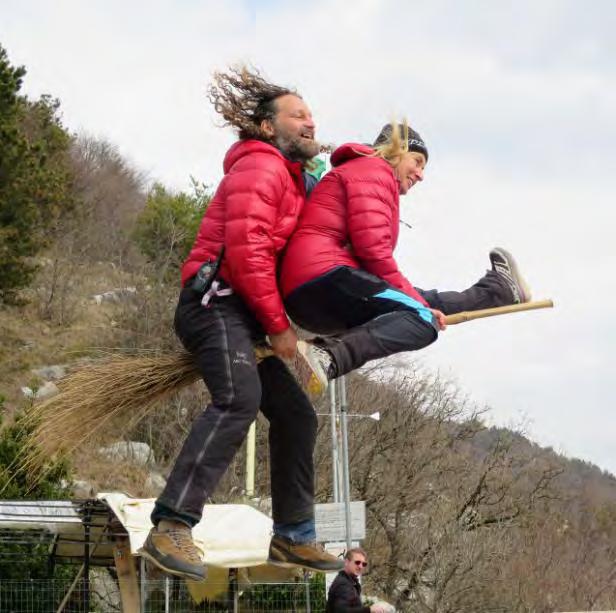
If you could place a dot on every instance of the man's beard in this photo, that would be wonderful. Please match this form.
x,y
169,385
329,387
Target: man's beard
x,y
296,148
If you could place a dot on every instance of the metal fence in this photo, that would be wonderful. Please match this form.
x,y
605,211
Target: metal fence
x,y
101,595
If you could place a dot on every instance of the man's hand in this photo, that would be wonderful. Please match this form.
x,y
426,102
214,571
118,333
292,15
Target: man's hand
x,y
378,608
440,318
284,344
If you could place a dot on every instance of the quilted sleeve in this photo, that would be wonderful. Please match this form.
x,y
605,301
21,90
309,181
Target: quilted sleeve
x,y
254,191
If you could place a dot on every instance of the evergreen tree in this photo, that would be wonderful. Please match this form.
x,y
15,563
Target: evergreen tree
x,y
166,228
34,177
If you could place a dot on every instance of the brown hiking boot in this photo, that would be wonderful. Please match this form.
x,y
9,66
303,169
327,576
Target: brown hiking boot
x,y
285,552
174,552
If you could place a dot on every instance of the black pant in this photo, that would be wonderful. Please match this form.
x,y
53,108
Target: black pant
x,y
221,337
364,318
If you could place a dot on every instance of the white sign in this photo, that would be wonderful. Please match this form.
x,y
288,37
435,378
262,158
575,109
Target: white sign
x,y
330,521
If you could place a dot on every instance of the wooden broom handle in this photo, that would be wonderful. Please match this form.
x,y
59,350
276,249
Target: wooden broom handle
x,y
458,318
264,351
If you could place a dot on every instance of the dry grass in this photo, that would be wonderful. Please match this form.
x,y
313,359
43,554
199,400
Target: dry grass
x,y
114,393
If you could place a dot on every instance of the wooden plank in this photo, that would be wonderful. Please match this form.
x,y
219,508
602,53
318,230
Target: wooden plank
x,y
127,575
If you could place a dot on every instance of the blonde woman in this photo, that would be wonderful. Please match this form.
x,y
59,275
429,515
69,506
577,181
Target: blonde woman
x,y
339,277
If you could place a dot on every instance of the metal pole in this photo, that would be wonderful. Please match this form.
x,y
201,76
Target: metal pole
x,y
335,460
236,592
344,409
142,580
167,600
86,561
251,446
307,587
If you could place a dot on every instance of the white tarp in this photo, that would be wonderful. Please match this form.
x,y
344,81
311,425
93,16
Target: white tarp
x,y
230,535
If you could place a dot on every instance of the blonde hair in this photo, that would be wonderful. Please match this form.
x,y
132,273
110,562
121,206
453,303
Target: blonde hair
x,y
397,145
355,550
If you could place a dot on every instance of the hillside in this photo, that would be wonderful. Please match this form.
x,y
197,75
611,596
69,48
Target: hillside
x,y
446,497
460,518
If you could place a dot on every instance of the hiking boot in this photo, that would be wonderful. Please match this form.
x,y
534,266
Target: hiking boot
x,y
505,266
174,552
314,365
312,556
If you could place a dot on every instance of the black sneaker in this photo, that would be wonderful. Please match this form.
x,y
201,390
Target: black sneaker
x,y
504,265
312,556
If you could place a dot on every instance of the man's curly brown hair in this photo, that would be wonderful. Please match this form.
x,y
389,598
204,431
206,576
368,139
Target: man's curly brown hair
x,y
244,99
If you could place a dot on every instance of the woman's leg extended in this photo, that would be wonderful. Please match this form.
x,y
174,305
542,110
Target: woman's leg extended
x,y
500,286
490,291
400,330
370,319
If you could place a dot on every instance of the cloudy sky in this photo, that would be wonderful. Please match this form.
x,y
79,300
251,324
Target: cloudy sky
x,y
516,101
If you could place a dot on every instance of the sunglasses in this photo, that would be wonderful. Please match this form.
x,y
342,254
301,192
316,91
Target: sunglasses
x,y
360,563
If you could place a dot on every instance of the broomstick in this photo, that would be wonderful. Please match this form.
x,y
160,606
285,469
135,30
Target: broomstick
x,y
93,399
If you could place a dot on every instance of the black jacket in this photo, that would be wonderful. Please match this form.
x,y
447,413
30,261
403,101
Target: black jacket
x,y
344,595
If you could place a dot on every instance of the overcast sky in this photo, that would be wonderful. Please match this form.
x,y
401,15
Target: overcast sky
x,y
516,102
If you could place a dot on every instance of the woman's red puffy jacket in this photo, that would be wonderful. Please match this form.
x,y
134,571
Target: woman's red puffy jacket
x,y
350,219
253,213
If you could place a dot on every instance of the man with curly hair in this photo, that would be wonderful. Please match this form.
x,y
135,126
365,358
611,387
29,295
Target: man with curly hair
x,y
229,302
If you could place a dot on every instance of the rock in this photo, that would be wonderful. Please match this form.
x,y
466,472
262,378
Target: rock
x,y
262,504
50,373
385,606
129,451
46,390
105,590
115,295
82,489
155,482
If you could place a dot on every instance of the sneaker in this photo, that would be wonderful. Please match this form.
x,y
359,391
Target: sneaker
x,y
313,365
504,265
312,556
174,552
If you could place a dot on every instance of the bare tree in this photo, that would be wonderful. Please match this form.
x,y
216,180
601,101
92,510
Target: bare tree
x,y
439,506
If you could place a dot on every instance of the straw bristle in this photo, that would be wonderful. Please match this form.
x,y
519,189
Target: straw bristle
x,y
98,397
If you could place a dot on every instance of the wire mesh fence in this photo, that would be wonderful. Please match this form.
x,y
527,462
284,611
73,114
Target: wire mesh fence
x,y
102,595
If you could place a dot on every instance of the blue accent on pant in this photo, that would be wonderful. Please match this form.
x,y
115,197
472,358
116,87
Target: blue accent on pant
x,y
392,294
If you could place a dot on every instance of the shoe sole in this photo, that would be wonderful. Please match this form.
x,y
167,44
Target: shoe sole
x,y
519,279
313,381
304,566
171,571
296,562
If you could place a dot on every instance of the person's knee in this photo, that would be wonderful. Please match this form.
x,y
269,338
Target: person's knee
x,y
416,333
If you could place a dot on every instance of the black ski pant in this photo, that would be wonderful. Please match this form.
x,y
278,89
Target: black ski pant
x,y
362,318
222,337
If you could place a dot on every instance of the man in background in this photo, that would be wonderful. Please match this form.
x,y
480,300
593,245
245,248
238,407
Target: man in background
x,y
344,594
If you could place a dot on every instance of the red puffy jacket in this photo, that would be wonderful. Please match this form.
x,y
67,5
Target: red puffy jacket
x,y
253,213
350,219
